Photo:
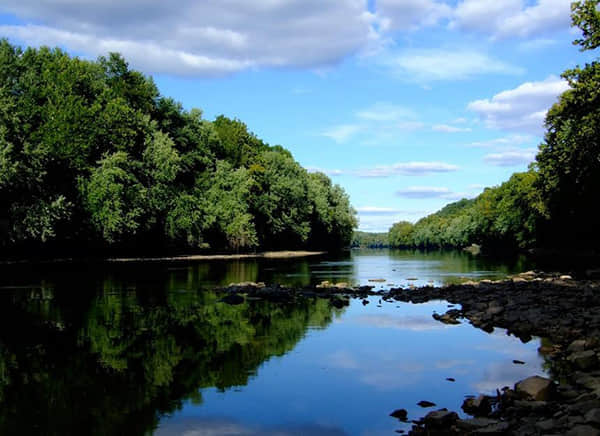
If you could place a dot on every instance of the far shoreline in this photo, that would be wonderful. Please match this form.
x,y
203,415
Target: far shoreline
x,y
284,254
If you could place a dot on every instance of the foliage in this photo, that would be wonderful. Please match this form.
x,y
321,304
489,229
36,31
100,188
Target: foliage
x,y
370,240
549,205
93,157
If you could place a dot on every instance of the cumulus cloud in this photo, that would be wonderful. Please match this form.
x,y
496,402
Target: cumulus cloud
x,y
511,157
522,109
512,18
200,38
410,14
430,65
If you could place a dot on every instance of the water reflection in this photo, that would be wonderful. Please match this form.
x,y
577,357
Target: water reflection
x,y
139,349
72,362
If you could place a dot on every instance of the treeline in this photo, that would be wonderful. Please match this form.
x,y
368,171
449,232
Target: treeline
x,y
92,157
369,240
553,204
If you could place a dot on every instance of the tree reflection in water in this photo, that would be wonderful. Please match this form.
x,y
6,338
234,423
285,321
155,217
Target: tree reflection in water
x,y
114,361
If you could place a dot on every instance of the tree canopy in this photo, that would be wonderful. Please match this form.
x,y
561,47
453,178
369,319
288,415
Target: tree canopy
x,y
92,156
551,204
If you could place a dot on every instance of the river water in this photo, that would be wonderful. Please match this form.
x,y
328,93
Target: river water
x,y
149,349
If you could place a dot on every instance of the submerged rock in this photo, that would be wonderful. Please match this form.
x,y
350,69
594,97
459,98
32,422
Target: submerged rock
x,y
425,404
400,414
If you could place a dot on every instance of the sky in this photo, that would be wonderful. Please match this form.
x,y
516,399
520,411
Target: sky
x,y
407,104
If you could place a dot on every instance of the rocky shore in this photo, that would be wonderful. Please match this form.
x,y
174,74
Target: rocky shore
x,y
563,311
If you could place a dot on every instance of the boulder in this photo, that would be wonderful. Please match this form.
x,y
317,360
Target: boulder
x,y
440,418
584,360
474,423
583,430
479,406
536,387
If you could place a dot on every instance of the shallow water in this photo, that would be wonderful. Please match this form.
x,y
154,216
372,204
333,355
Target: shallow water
x,y
143,349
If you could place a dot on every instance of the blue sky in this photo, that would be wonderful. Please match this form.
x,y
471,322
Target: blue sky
x,y
408,104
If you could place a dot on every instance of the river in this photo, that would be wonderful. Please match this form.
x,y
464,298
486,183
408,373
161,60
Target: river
x,y
149,348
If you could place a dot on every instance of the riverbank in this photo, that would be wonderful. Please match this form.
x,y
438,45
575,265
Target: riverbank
x,y
179,258
563,311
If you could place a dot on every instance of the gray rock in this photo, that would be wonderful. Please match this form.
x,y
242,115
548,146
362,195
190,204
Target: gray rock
x,y
440,418
583,430
536,387
546,425
584,360
592,417
474,423
495,429
479,406
576,346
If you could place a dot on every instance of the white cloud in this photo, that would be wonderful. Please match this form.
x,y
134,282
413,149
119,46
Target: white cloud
x,y
410,14
401,168
377,123
407,169
445,128
343,132
374,210
329,172
429,65
382,111
522,109
200,38
509,141
512,18
536,44
421,192
511,157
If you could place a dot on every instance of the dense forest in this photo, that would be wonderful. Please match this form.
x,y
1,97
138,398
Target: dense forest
x,y
94,160
552,204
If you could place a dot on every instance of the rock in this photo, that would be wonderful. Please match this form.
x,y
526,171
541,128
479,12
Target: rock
x,y
518,362
495,429
546,425
411,279
576,346
584,360
450,379
474,423
583,430
479,406
446,318
340,303
400,414
440,418
233,299
592,417
566,277
536,387
378,280
365,302
425,404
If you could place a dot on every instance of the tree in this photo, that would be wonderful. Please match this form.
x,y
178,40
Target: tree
x,y
569,158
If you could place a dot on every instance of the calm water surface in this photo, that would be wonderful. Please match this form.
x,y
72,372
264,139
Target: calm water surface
x,y
146,349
